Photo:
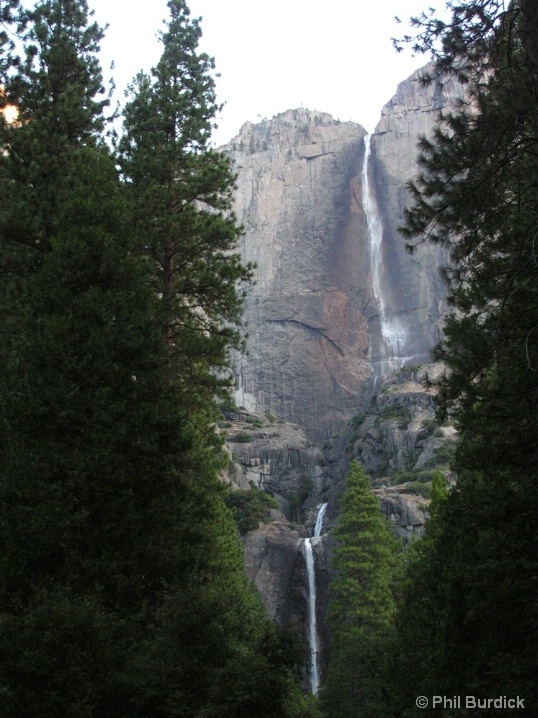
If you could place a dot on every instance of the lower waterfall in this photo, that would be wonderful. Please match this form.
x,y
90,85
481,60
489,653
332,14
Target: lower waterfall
x,y
312,618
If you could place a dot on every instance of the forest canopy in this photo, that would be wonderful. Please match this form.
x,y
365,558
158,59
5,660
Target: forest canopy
x,y
122,582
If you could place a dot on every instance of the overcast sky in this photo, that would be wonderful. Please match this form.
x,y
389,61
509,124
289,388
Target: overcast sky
x,y
334,56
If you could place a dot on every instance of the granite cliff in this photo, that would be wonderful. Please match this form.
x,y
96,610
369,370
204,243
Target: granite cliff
x,y
336,323
413,289
298,197
313,314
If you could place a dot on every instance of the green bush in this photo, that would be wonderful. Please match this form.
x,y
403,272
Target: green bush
x,y
250,508
416,487
396,412
444,455
241,437
403,477
254,421
357,421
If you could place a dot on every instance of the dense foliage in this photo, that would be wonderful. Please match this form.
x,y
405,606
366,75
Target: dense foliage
x,y
367,561
250,508
475,581
122,586
180,190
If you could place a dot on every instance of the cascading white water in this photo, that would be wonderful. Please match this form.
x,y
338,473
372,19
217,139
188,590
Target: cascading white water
x,y
319,520
390,352
312,618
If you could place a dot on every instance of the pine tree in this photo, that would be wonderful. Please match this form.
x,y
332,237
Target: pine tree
x,y
478,195
421,619
181,192
54,80
362,606
82,490
122,584
7,21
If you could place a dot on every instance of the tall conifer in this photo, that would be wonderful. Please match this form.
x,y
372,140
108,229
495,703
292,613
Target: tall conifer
x,y
54,80
122,585
367,565
477,194
181,192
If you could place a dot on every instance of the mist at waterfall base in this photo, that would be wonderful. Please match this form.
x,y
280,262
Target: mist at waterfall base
x,y
312,617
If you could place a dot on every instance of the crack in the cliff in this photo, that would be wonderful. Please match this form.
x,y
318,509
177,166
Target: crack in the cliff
x,y
307,326
314,157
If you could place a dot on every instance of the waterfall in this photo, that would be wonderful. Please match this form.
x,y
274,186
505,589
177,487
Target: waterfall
x,y
312,618
389,355
319,520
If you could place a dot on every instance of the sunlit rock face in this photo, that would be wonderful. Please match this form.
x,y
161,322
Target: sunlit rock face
x,y
313,313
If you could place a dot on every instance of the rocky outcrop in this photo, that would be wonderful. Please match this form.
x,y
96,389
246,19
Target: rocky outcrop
x,y
276,457
275,563
399,443
406,512
312,313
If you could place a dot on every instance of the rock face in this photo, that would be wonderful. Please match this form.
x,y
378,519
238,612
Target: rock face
x,y
406,512
400,445
299,199
413,288
317,316
277,458
313,316
275,563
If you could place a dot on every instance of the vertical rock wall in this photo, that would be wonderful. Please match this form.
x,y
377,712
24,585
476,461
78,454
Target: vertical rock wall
x,y
311,315
413,287
299,198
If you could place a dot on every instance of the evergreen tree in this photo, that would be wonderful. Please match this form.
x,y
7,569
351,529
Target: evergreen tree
x,y
181,191
478,195
54,79
362,606
421,621
122,585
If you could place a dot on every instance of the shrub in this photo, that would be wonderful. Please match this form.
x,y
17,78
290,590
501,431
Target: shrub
x,y
403,477
444,455
357,421
416,487
254,421
396,412
250,508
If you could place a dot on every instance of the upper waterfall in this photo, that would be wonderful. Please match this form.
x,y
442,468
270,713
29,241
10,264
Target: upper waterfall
x,y
389,355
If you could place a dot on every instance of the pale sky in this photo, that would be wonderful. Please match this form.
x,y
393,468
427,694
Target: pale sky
x,y
334,56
